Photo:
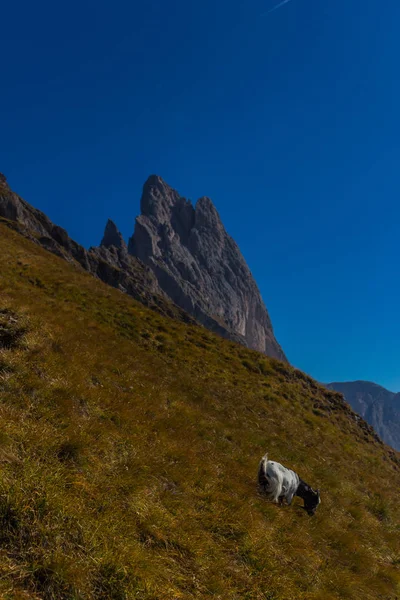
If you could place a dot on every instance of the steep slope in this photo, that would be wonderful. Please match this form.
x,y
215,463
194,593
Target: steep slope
x,y
200,267
129,448
379,407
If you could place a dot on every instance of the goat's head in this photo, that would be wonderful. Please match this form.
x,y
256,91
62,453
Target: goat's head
x,y
311,501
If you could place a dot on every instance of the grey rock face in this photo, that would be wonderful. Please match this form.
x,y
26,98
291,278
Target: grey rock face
x,y
200,267
379,407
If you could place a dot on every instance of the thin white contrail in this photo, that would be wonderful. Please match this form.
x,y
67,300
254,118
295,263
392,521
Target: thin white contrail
x,y
274,8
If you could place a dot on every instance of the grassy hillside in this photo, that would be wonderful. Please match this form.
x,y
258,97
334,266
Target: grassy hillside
x,y
129,446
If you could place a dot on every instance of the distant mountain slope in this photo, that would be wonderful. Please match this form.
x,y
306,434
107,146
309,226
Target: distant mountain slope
x,y
190,260
129,446
379,407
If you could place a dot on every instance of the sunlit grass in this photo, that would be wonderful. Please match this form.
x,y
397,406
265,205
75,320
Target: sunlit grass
x,y
129,446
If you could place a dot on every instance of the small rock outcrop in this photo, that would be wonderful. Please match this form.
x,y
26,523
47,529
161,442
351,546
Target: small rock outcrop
x,y
200,267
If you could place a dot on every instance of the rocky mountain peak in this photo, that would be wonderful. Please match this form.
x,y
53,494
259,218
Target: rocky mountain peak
x,y
112,237
158,198
200,267
188,258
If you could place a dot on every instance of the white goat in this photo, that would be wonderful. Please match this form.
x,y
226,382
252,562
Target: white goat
x,y
279,483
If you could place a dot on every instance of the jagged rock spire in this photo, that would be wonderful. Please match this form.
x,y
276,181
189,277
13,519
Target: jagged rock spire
x,y
112,237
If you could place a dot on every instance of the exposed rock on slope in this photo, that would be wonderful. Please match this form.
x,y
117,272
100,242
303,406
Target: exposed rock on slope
x,y
379,407
200,267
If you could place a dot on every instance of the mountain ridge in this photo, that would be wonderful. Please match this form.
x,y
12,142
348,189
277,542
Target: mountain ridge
x,y
207,290
113,265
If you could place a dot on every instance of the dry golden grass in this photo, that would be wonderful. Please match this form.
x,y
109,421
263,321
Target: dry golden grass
x,y
129,446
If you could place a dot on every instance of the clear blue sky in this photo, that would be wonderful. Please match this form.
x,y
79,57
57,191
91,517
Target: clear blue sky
x,y
289,121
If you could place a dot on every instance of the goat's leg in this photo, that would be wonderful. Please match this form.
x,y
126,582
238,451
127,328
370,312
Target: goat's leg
x,y
289,498
276,499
